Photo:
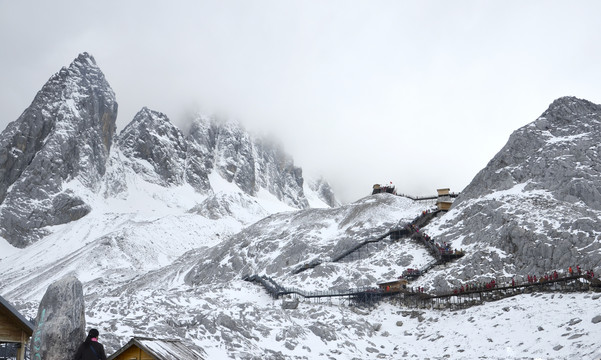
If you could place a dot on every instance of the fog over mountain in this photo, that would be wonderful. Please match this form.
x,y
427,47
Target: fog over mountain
x,y
164,228
64,139
347,87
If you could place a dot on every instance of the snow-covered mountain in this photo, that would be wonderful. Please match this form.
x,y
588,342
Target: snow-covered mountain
x,y
173,223
65,134
63,142
536,206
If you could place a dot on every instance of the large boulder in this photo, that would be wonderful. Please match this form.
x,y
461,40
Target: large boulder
x,y
60,324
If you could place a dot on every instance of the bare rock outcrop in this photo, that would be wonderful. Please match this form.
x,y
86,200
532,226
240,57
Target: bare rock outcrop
x,y
60,321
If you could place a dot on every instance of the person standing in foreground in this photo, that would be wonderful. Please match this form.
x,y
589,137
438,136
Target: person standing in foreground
x,y
91,349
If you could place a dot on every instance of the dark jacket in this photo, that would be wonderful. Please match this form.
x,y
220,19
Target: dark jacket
x,y
84,352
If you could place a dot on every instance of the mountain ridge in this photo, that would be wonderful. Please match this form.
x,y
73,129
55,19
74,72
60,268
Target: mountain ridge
x,y
536,206
68,133
166,256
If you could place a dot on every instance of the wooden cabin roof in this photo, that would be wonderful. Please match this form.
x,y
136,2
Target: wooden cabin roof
x,y
395,282
16,318
444,191
162,349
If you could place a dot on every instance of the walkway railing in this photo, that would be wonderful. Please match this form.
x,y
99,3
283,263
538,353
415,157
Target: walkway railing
x,y
429,197
396,233
441,255
477,296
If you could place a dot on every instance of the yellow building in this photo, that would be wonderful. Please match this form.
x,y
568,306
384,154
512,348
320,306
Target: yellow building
x,y
444,192
140,348
14,328
397,285
444,200
444,205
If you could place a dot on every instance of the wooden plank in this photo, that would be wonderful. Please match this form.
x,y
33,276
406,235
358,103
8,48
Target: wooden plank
x,y
21,350
9,330
134,353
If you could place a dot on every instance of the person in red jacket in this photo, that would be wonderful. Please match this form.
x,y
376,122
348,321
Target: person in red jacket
x,y
90,349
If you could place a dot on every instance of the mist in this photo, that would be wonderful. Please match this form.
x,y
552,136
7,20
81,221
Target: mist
x,y
422,94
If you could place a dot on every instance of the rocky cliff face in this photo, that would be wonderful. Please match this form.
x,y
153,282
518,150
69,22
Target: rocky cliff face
x,y
158,151
155,148
64,135
536,206
250,163
57,156
201,142
558,152
325,191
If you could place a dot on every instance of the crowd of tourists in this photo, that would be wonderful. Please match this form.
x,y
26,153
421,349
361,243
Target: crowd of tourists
x,y
442,248
476,286
531,279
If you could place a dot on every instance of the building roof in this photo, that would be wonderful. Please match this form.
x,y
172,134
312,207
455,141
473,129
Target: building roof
x,y
394,282
163,349
19,319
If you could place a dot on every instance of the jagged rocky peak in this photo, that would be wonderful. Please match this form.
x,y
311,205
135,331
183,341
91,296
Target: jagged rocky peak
x,y
559,152
200,154
65,134
234,158
535,206
97,100
277,173
150,138
325,191
569,109
251,163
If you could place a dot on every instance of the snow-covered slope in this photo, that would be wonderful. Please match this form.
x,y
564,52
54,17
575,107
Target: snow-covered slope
x,y
536,206
66,136
202,296
174,223
281,243
144,229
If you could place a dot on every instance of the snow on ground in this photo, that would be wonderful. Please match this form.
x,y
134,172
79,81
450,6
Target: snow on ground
x,y
545,326
281,244
7,249
239,320
314,201
270,203
143,229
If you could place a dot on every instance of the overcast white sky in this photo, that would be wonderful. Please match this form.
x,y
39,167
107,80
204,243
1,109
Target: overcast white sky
x,y
421,93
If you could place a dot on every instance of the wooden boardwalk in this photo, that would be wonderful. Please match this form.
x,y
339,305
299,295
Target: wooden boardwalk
x,y
443,300
396,233
467,298
468,295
